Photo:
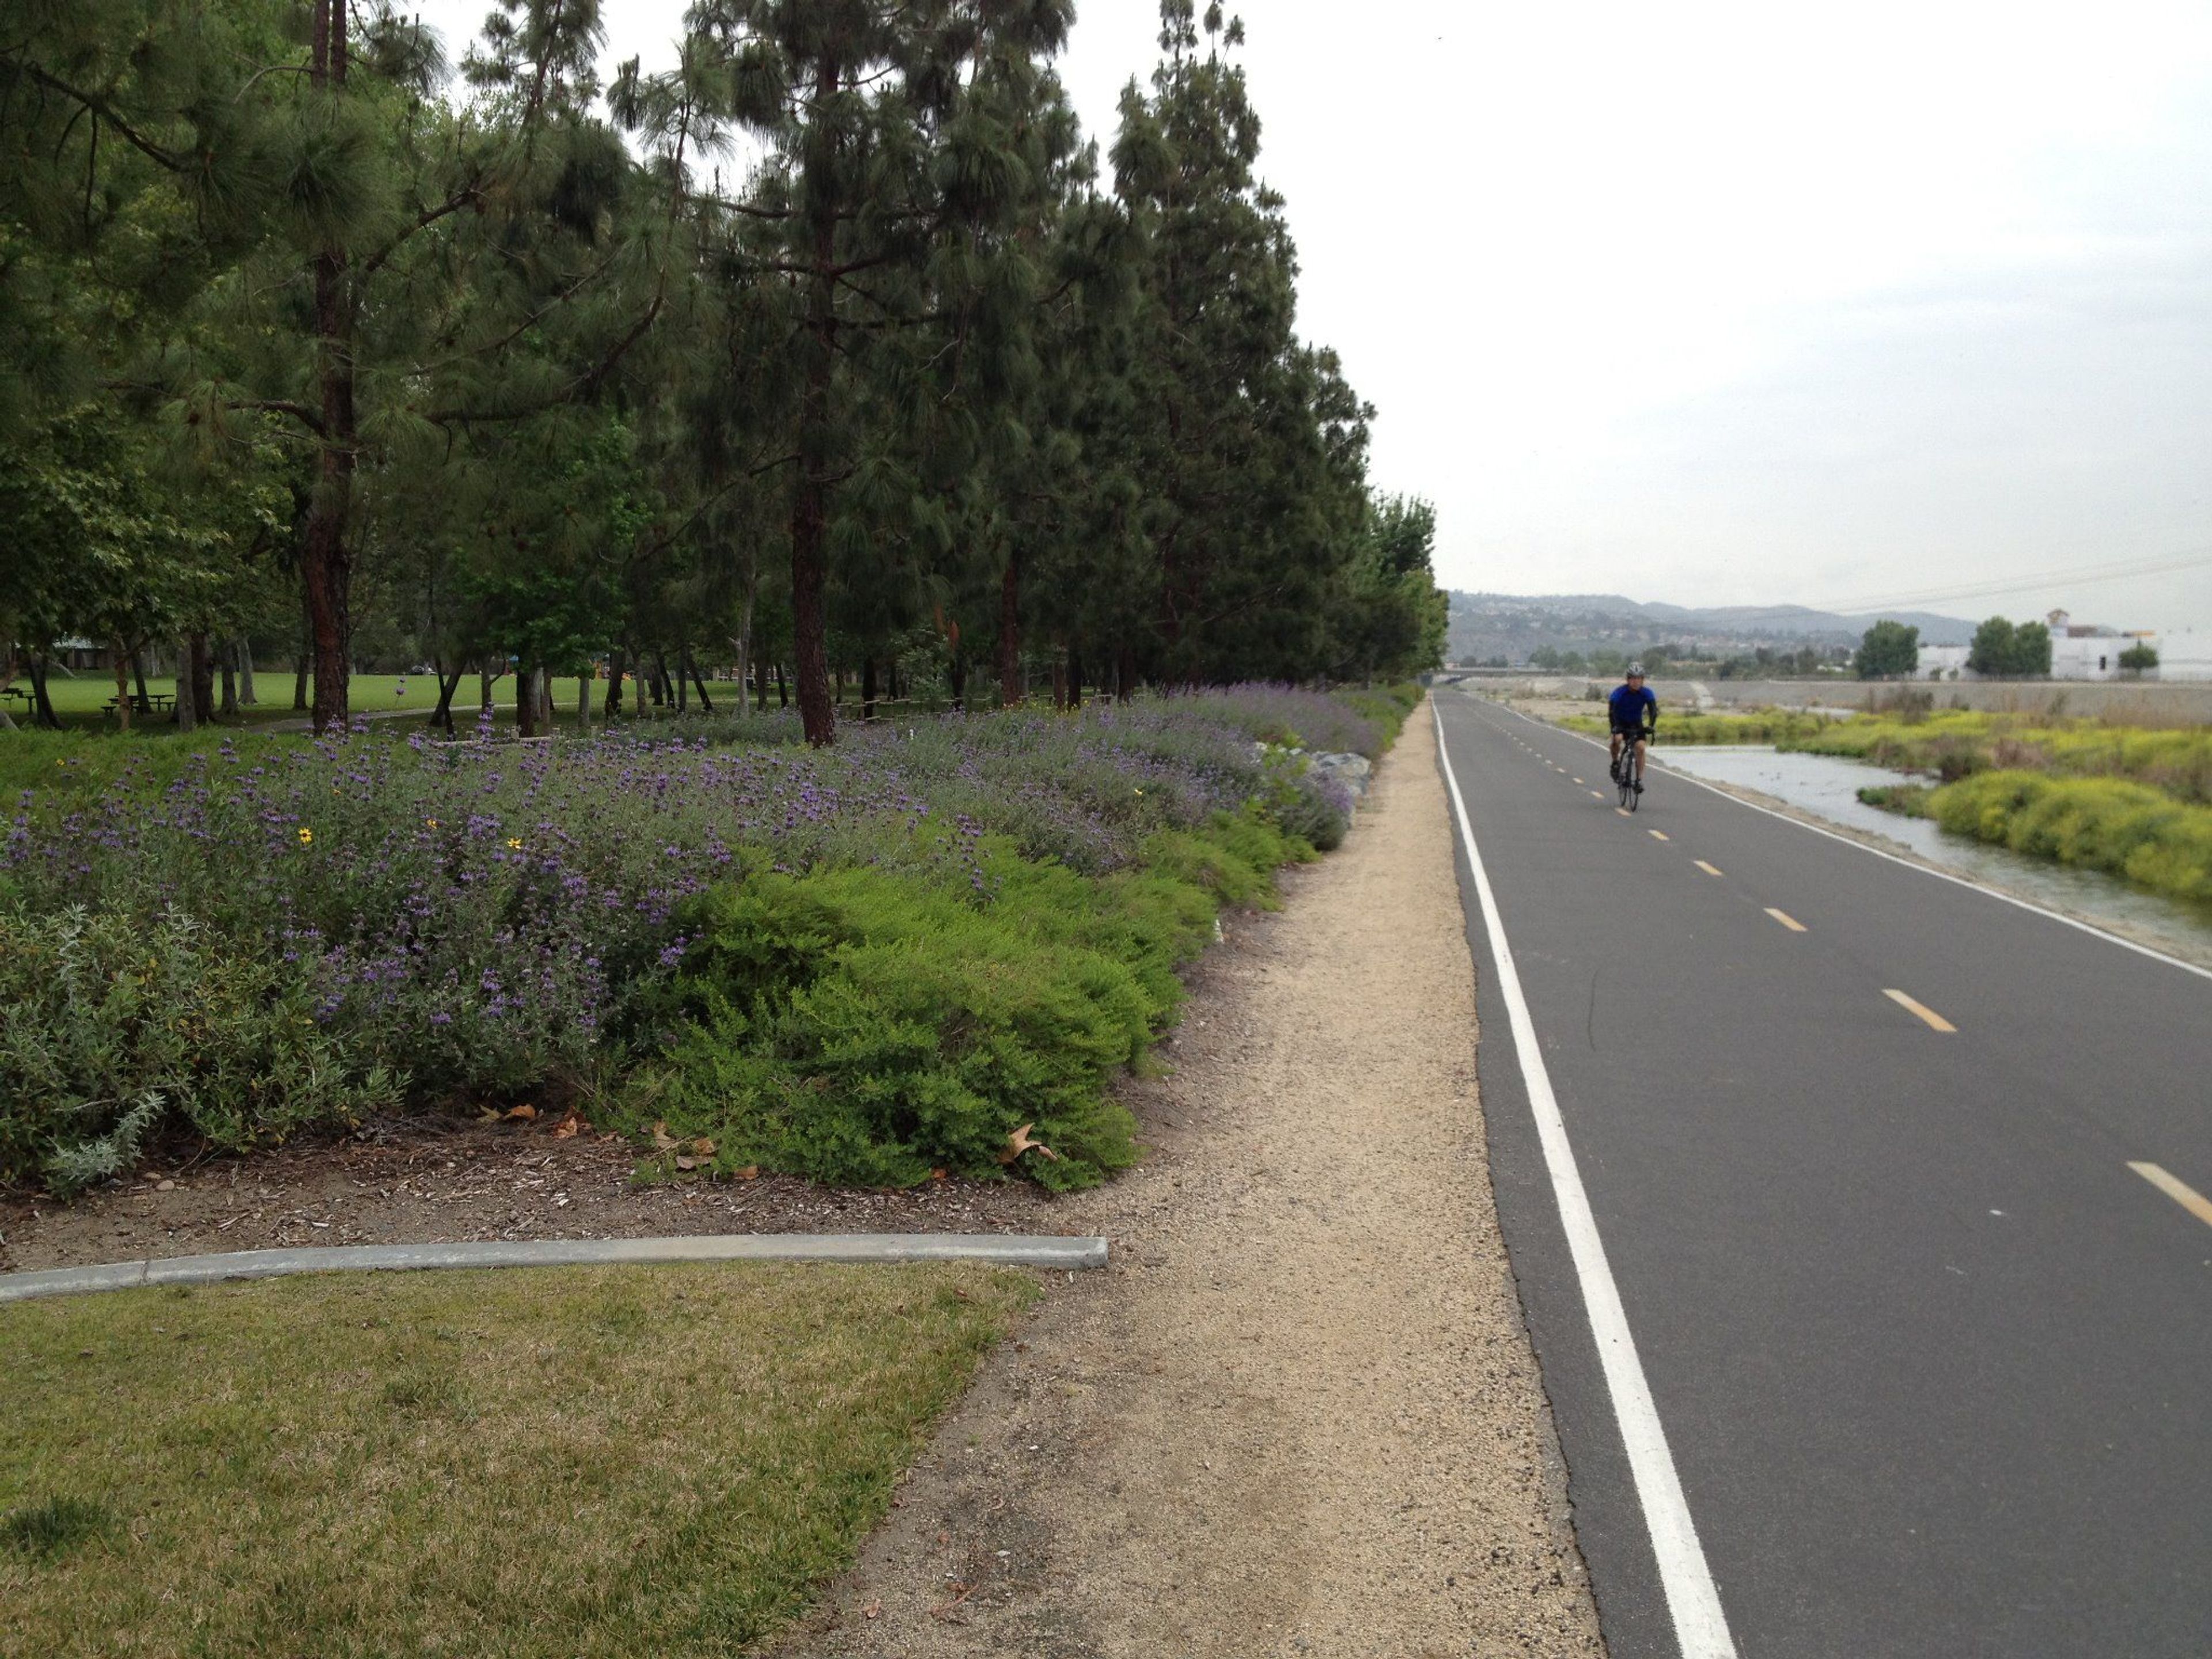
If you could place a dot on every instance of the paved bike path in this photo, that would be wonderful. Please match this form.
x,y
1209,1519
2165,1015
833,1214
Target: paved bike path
x,y
1932,1360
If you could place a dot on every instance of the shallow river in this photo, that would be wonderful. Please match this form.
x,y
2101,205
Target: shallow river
x,y
1828,786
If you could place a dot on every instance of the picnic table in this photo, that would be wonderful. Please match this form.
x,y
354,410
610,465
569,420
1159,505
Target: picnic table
x,y
161,702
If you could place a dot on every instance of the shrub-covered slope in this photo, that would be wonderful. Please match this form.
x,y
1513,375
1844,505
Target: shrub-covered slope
x,y
862,965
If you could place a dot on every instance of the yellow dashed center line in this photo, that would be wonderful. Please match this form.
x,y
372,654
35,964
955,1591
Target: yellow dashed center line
x,y
1704,866
1788,921
1578,780
1622,811
2177,1189
1920,1008
1596,794
1658,834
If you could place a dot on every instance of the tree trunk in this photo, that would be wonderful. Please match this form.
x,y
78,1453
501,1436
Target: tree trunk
x,y
615,661
1009,631
138,675
782,693
1060,682
327,560
867,691
186,715
526,701
122,686
42,708
228,652
743,639
760,685
706,703
303,661
1074,677
485,680
244,646
584,701
660,680
203,680
1125,674
683,678
809,502
448,684
956,676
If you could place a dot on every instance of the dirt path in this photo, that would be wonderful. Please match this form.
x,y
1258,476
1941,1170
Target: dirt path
x,y
1300,1414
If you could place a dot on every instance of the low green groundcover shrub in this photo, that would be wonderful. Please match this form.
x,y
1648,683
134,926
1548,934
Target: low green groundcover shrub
x,y
863,963
869,1027
2100,823
112,1029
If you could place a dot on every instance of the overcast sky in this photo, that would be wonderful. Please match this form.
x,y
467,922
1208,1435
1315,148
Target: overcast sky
x,y
1746,303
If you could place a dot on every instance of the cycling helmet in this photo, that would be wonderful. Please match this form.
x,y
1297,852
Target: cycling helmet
x,y
1636,670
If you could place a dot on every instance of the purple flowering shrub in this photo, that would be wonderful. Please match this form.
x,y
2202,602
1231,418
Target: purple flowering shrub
x,y
481,918
1290,717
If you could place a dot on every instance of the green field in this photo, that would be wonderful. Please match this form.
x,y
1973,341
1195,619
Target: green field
x,y
550,1463
81,702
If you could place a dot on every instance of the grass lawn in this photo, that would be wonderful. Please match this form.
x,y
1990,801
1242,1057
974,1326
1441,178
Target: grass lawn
x,y
562,1461
79,701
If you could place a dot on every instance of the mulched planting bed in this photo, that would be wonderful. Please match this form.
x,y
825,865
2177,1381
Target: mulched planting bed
x,y
422,1180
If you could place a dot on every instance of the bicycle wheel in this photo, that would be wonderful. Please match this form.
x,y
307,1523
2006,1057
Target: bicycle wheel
x,y
1625,777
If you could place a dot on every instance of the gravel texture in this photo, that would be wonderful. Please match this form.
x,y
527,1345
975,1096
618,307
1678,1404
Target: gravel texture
x,y
1299,1412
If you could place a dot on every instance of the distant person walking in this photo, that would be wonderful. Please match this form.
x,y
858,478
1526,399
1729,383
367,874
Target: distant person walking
x,y
1634,714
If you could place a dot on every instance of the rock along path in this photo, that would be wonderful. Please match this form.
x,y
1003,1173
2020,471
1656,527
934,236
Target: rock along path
x,y
1299,1413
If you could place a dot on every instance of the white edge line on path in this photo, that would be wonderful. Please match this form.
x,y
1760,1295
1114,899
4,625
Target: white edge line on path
x,y
2089,927
1694,1600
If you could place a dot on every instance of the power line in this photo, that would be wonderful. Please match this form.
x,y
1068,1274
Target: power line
x,y
2081,576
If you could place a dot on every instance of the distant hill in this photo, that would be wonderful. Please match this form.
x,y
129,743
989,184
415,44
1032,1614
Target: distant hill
x,y
1511,625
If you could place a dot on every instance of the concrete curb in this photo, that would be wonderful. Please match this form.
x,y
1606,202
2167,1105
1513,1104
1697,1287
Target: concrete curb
x,y
1014,1249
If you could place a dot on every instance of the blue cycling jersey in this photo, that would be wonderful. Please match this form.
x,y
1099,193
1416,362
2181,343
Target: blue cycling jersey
x,y
1631,709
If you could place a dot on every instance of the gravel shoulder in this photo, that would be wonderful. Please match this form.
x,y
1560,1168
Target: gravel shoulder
x,y
1299,1413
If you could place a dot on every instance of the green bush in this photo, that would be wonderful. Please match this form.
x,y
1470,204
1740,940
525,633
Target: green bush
x,y
115,1029
1908,800
2099,823
867,1027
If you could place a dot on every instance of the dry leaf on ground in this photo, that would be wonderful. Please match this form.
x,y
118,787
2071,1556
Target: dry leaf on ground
x,y
1019,1142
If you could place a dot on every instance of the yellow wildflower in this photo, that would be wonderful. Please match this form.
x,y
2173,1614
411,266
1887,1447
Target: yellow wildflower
x,y
515,843
433,823
306,837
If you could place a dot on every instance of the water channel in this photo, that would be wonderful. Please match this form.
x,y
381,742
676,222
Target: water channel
x,y
1827,786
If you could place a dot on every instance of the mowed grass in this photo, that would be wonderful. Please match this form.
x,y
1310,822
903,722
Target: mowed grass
x,y
81,700
562,1461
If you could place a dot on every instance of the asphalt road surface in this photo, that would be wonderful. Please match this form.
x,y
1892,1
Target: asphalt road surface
x,y
1927,1358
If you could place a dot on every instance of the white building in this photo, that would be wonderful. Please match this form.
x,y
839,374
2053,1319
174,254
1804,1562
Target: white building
x,y
2079,651
1943,662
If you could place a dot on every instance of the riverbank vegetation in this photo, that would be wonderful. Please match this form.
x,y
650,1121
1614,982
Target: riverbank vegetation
x,y
581,1462
2133,801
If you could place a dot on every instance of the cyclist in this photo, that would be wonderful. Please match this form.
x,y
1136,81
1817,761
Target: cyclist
x,y
1634,714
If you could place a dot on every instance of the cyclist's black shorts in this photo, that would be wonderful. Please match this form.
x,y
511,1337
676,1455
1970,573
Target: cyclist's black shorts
x,y
1636,733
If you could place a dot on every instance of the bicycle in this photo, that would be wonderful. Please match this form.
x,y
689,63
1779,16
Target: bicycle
x,y
1624,772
